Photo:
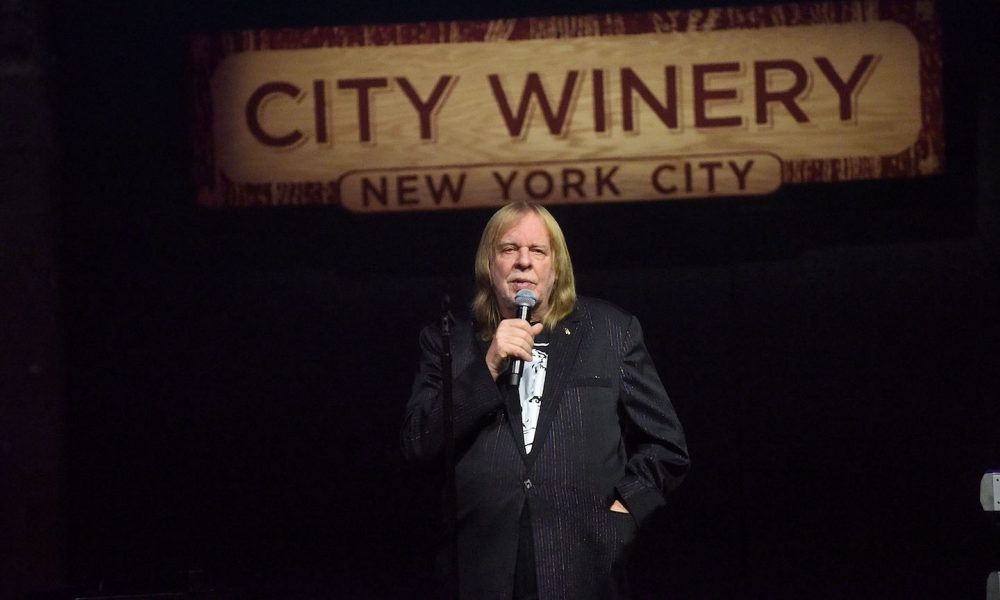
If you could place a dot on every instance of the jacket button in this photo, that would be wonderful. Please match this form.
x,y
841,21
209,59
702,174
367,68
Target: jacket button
x,y
527,484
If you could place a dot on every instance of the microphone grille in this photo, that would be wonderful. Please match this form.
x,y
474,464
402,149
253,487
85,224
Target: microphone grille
x,y
525,298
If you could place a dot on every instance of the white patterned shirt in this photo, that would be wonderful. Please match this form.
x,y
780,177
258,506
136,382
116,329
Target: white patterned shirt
x,y
531,386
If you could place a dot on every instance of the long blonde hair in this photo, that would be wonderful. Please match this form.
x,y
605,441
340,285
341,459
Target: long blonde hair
x,y
562,298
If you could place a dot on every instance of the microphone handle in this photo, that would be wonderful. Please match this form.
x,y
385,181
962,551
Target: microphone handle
x,y
517,367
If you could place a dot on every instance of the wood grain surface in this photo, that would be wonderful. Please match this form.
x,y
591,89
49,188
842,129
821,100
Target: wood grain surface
x,y
818,92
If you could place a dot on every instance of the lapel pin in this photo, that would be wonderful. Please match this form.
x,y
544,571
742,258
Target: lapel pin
x,y
566,330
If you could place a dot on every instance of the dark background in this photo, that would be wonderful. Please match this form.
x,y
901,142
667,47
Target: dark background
x,y
210,400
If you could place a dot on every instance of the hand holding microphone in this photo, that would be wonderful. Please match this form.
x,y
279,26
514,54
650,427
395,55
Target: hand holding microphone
x,y
514,339
524,300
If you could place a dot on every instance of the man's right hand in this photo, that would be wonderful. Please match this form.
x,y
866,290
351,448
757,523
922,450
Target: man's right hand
x,y
513,338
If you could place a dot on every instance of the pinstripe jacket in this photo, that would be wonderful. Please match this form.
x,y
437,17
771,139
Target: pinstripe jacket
x,y
606,431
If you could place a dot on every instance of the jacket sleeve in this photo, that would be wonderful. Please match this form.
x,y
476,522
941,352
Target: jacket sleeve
x,y
654,439
474,392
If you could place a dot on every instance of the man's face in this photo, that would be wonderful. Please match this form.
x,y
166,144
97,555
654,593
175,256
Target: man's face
x,y
523,260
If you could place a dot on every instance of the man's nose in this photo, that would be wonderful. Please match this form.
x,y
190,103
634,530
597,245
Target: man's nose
x,y
523,257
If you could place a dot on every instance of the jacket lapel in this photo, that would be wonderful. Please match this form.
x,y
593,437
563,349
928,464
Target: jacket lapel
x,y
512,402
564,343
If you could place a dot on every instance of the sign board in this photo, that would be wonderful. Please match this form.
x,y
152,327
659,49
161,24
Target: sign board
x,y
599,108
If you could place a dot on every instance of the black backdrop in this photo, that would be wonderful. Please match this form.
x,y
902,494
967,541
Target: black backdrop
x,y
236,379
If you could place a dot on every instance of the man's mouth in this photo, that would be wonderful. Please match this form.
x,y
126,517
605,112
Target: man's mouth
x,y
522,284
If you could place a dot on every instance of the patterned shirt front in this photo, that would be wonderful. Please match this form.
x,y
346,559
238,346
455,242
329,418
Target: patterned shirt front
x,y
531,386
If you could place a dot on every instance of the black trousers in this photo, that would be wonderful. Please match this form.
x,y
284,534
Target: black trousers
x,y
525,579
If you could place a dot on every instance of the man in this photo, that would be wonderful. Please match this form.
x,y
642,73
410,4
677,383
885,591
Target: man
x,y
554,477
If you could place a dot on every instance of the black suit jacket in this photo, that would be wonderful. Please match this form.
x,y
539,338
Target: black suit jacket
x,y
606,431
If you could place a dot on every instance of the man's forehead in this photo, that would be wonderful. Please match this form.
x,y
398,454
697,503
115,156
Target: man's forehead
x,y
520,240
528,230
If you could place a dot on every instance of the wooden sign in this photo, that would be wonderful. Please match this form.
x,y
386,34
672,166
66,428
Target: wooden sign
x,y
600,108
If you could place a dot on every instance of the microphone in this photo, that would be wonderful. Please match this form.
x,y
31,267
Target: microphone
x,y
524,301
